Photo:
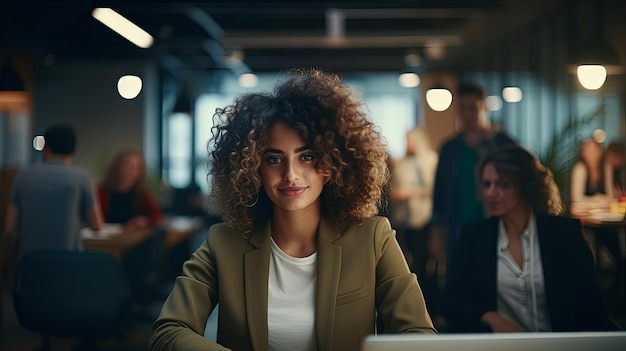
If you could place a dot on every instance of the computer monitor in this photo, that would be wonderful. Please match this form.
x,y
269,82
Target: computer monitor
x,y
579,341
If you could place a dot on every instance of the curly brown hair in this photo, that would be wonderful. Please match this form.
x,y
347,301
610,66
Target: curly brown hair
x,y
533,181
325,113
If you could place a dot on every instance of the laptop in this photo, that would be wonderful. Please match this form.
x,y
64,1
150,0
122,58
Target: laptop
x,y
579,341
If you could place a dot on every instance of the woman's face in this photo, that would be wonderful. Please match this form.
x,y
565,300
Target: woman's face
x,y
591,153
130,172
288,171
500,195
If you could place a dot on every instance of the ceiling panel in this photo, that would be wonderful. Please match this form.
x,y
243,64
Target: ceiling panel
x,y
269,35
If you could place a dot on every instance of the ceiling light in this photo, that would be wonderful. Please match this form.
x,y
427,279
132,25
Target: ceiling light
x,y
409,80
439,99
183,105
39,142
248,80
512,94
591,77
129,86
123,26
597,59
10,80
493,102
599,135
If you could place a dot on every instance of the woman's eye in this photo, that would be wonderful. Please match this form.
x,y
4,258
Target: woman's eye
x,y
307,157
273,160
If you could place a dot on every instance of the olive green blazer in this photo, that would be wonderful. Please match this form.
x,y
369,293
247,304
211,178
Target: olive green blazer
x,y
360,271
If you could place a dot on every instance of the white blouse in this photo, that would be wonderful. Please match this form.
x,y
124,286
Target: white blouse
x,y
521,291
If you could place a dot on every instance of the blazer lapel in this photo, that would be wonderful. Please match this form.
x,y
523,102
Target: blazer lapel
x,y
256,287
328,269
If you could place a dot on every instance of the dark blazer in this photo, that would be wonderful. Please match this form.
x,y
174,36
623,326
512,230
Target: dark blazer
x,y
573,296
360,272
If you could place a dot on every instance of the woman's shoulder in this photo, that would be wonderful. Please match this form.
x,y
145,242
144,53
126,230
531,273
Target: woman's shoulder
x,y
220,234
370,223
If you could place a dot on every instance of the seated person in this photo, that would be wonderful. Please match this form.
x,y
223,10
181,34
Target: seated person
x,y
123,194
125,199
301,261
615,160
591,185
51,200
524,269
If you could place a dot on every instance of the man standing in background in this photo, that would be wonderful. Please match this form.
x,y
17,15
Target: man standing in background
x,y
455,200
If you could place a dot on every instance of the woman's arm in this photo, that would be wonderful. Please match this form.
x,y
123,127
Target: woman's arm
x,y
181,323
400,300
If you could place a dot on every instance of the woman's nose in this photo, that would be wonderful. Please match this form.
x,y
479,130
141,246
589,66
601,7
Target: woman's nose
x,y
292,171
490,190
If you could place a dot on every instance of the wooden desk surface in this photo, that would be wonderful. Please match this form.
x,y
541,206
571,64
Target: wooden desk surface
x,y
597,222
117,243
122,239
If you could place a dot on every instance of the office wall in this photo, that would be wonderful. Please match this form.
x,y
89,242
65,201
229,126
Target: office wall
x,y
85,94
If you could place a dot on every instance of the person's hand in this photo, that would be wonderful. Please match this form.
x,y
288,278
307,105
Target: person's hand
x,y
138,222
498,324
437,244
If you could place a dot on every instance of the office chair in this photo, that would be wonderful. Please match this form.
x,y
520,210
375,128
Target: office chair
x,y
144,266
70,294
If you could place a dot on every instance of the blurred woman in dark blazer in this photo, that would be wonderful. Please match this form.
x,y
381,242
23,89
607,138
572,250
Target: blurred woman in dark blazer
x,y
524,269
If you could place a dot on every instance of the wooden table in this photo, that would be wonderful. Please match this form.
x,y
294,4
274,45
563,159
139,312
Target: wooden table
x,y
117,239
180,228
593,221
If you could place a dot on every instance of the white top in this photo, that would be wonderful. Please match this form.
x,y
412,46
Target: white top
x,y
521,292
578,185
291,301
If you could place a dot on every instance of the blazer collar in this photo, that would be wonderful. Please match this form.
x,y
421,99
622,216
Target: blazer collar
x,y
328,269
255,286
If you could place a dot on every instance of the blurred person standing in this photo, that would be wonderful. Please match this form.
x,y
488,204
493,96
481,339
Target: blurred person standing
x,y
412,180
455,200
52,200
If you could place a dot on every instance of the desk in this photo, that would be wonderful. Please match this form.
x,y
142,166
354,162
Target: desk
x,y
117,239
180,228
611,225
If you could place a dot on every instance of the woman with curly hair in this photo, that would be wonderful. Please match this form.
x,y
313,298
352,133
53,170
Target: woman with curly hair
x,y
525,269
301,261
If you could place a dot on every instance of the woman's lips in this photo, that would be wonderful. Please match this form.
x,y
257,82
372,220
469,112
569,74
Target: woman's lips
x,y
292,190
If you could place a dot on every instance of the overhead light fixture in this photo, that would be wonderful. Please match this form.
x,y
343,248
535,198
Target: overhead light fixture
x,y
439,99
599,135
183,104
512,94
248,80
10,80
493,102
129,86
409,79
597,59
123,26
